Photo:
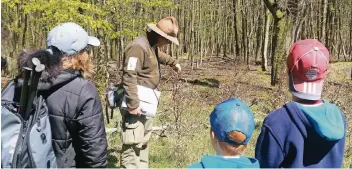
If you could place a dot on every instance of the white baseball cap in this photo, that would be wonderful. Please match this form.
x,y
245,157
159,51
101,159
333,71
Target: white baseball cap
x,y
70,38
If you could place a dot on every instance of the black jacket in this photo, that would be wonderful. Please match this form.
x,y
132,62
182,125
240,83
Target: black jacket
x,y
76,117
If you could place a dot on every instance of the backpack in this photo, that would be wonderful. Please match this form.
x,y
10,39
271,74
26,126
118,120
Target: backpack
x,y
25,143
114,94
26,139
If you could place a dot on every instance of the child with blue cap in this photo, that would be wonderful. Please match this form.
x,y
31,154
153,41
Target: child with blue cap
x,y
232,125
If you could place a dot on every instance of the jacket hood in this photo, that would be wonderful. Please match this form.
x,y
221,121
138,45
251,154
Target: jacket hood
x,y
325,120
63,78
52,75
52,63
222,162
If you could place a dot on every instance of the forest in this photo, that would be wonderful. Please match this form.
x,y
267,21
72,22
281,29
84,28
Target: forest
x,y
248,38
252,32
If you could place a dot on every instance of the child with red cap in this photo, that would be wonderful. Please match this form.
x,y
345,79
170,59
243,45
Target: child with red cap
x,y
308,131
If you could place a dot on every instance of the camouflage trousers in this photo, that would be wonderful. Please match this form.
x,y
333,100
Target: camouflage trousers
x,y
135,134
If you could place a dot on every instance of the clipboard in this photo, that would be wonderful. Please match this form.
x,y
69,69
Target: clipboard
x,y
148,100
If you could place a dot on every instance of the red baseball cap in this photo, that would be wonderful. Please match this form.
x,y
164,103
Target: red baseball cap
x,y
307,63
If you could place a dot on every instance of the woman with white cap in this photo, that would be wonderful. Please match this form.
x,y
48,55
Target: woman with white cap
x,y
75,110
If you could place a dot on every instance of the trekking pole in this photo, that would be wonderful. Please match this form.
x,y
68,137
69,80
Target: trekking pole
x,y
36,74
107,111
24,92
112,114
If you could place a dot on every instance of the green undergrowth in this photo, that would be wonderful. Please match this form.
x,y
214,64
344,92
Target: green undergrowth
x,y
186,111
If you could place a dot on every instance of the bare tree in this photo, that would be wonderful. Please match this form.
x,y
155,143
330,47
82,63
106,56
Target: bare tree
x,y
277,14
266,41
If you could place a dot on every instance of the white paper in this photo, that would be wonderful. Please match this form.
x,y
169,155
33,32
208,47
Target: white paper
x,y
148,100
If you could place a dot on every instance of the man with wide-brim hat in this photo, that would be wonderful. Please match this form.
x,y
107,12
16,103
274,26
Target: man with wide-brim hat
x,y
142,59
166,29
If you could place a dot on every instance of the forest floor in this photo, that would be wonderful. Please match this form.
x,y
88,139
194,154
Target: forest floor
x,y
182,133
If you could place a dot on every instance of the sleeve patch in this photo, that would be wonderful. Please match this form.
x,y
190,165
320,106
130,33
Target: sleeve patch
x,y
132,63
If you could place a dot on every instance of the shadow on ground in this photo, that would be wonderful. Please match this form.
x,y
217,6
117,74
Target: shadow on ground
x,y
212,83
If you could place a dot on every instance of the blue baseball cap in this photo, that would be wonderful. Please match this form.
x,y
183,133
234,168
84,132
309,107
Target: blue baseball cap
x,y
70,38
232,115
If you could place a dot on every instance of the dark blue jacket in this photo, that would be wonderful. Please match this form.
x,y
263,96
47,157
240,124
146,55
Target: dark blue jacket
x,y
295,136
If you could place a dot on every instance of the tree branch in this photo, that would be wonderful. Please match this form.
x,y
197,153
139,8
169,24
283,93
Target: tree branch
x,y
270,5
274,9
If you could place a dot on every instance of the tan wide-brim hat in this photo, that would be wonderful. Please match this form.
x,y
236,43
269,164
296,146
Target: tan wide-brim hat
x,y
167,28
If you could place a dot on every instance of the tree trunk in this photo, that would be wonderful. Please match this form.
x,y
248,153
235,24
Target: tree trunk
x,y
184,44
225,32
273,51
311,19
299,19
305,23
122,48
318,19
192,34
277,14
249,44
338,35
265,42
350,48
24,30
237,41
244,32
324,23
259,38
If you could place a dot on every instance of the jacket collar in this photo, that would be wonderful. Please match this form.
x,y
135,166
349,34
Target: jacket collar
x,y
63,78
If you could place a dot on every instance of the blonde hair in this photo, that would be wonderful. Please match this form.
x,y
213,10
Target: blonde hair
x,y
80,62
234,149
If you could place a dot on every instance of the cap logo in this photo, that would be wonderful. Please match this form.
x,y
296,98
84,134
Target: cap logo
x,y
312,74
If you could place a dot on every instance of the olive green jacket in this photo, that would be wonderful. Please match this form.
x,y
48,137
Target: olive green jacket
x,y
141,67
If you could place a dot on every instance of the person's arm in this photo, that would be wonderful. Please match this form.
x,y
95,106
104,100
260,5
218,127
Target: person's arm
x,y
166,59
134,57
90,144
268,150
